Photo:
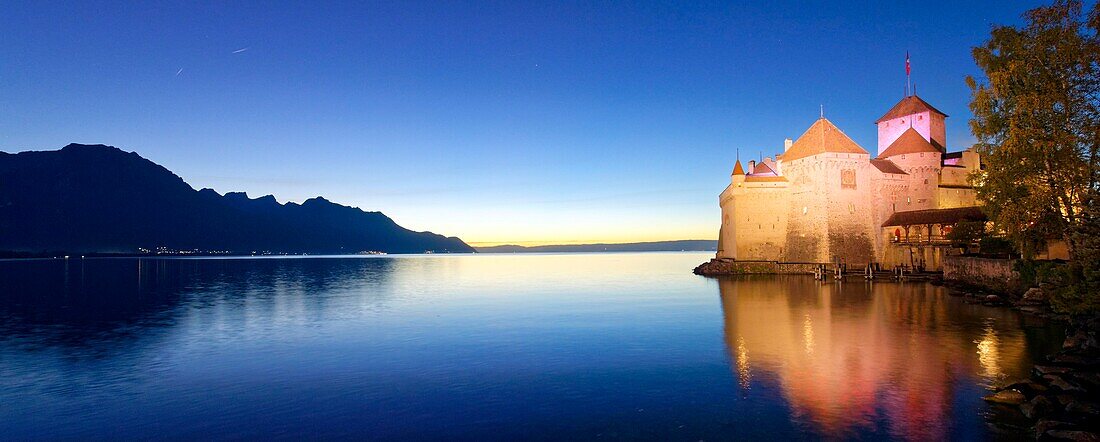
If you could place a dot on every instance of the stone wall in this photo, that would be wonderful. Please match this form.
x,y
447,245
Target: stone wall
x,y
985,273
760,221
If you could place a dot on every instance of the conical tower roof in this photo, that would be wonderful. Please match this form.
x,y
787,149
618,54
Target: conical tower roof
x,y
822,136
908,106
737,169
910,141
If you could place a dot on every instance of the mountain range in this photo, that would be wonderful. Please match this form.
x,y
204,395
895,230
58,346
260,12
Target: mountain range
x,y
100,199
687,245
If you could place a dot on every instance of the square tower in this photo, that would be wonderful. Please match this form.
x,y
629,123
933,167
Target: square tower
x,y
912,112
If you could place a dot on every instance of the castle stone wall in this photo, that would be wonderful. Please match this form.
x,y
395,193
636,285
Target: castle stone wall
x,y
992,274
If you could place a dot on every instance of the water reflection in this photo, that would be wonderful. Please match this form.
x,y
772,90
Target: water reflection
x,y
597,346
80,302
854,356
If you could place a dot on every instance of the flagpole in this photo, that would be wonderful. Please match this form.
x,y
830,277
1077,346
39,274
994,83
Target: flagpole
x,y
908,85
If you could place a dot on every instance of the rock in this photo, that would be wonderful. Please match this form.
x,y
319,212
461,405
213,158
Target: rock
x,y
1090,380
1074,435
1083,407
1038,407
1078,340
1035,310
1006,397
954,292
1045,425
1034,296
1061,384
992,300
1064,399
1067,359
1043,370
1026,386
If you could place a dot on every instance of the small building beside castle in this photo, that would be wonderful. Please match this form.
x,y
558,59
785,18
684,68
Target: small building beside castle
x,y
826,199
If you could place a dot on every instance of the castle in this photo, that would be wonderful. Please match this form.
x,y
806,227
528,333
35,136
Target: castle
x,y
824,199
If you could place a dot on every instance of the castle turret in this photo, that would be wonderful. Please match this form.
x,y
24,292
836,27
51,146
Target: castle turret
x,y
738,175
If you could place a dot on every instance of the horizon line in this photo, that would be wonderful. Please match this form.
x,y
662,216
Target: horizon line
x,y
570,243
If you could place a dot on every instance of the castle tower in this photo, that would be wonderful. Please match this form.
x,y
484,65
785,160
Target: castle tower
x,y
829,211
727,233
921,160
912,113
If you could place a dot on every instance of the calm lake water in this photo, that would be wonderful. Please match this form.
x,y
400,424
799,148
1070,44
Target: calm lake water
x,y
581,346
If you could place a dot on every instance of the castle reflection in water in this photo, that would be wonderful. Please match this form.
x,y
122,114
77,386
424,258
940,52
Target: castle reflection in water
x,y
853,355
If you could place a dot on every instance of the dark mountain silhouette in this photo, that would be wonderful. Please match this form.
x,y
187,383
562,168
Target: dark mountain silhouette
x,y
96,198
686,245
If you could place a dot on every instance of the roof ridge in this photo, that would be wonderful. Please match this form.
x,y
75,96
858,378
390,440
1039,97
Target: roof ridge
x,y
908,106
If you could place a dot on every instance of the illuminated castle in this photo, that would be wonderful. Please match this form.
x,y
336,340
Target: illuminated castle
x,y
825,199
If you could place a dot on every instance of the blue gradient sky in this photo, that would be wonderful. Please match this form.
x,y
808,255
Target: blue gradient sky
x,y
503,122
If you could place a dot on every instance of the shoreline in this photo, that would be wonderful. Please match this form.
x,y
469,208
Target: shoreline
x,y
1060,400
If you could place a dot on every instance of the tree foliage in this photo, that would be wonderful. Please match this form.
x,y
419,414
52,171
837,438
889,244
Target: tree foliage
x,y
1037,121
966,233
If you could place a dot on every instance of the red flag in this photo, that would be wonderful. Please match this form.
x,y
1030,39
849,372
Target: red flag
x,y
906,62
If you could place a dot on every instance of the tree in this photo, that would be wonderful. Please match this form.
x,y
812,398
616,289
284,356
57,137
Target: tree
x,y
1037,120
966,233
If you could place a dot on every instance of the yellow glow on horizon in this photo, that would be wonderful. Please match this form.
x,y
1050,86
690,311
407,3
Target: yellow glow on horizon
x,y
534,226
599,236
544,242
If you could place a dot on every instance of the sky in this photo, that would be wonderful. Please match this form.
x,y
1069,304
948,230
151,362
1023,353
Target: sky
x,y
497,122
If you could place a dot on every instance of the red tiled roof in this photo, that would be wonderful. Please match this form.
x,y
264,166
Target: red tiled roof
x,y
822,136
737,170
908,106
887,166
935,216
763,169
910,141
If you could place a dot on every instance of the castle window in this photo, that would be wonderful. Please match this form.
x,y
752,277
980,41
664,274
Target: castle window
x,y
926,181
803,210
908,200
851,208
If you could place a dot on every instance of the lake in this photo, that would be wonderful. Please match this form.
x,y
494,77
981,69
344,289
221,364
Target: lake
x,y
474,347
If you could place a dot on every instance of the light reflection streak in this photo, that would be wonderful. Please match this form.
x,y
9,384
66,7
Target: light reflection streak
x,y
989,353
744,376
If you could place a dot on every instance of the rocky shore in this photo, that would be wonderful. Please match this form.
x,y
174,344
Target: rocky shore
x,y
1059,401
1061,398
